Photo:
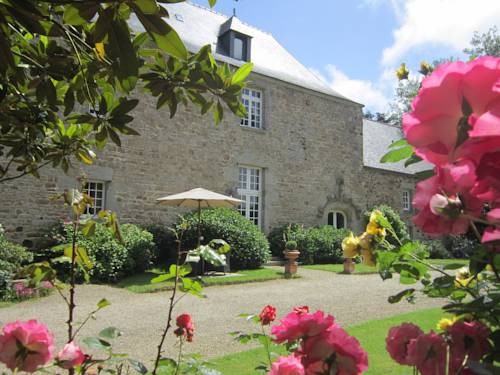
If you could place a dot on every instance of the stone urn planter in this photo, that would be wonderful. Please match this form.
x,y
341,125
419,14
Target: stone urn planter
x,y
291,254
349,266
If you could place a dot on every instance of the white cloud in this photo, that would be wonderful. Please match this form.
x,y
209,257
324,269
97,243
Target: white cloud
x,y
449,23
365,92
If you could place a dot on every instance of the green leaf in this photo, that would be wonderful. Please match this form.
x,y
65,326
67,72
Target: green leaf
x,y
221,246
147,6
212,256
103,303
400,143
423,175
212,3
192,287
88,229
414,159
79,14
242,73
163,34
453,266
96,343
397,155
398,297
110,333
138,366
162,278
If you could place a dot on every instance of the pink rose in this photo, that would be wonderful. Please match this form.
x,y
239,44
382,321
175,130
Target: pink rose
x,y
297,325
290,365
454,181
467,338
335,343
433,125
398,339
428,353
70,356
26,345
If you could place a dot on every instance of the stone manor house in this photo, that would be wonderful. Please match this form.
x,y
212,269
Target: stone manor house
x,y
303,154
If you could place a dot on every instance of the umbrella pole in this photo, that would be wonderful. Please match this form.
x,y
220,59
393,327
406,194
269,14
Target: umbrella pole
x,y
199,237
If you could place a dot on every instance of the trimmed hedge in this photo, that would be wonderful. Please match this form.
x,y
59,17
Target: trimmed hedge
x,y
249,246
12,257
164,240
316,245
111,259
393,217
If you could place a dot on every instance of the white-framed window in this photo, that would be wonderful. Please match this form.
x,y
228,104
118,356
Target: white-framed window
x,y
252,100
337,219
406,200
249,191
97,192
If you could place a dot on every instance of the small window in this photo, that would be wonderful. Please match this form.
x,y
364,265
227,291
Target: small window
x,y
337,220
406,200
249,191
96,191
252,100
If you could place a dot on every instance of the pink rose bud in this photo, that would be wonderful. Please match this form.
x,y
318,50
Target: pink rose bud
x,y
70,356
441,205
25,346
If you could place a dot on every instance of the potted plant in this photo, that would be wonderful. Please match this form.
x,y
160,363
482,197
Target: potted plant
x,y
291,254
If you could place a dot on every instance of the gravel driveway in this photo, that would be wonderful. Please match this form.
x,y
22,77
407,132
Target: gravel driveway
x,y
351,299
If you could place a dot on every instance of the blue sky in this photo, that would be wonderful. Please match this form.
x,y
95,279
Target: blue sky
x,y
355,45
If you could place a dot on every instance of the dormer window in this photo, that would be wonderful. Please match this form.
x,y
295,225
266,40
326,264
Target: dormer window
x,y
235,40
235,45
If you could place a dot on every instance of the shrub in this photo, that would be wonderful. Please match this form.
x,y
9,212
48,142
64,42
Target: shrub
x,y
278,236
437,250
322,245
164,240
399,225
291,245
111,259
249,246
12,257
460,246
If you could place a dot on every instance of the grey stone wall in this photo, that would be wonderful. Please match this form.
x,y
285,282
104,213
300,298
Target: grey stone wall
x,y
310,151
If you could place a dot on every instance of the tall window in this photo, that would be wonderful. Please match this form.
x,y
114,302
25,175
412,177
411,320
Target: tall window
x,y
249,188
406,200
252,100
337,219
95,190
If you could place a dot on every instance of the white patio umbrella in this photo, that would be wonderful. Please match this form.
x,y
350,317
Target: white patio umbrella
x,y
199,198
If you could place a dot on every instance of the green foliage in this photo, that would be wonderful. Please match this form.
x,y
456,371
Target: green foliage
x,y
322,245
12,257
486,44
291,245
111,260
394,219
316,245
249,246
278,236
69,71
437,250
164,239
460,246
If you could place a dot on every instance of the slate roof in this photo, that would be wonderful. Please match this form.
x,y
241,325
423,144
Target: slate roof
x,y
376,139
198,26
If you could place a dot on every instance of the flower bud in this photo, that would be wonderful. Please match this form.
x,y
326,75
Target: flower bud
x,y
441,205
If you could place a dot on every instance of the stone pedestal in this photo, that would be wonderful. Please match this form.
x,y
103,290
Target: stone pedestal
x,y
349,266
290,263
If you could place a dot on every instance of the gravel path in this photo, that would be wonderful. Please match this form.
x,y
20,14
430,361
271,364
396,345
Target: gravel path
x,y
351,299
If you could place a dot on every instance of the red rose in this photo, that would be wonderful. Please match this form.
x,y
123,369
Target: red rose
x,y
185,327
267,315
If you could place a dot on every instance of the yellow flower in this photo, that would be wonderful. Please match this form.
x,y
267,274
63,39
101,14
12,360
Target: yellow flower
x,y
445,323
373,227
368,259
463,277
365,241
350,246
99,51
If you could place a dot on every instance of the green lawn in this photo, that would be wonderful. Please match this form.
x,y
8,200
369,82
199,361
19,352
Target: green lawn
x,y
362,269
141,283
371,335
